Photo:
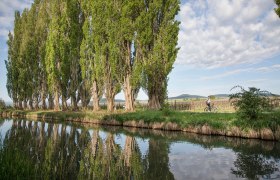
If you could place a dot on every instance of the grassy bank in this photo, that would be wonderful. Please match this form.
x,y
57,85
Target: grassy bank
x,y
186,119
204,123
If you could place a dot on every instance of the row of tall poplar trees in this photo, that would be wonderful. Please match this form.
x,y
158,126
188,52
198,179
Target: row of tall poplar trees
x,y
80,50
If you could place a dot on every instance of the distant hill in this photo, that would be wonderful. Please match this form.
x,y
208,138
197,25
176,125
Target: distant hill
x,y
187,96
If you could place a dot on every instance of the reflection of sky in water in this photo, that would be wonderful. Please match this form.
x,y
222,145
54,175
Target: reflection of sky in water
x,y
143,146
120,140
189,161
102,135
5,127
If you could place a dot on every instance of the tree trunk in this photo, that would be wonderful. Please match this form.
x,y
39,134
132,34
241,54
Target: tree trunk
x,y
84,96
74,102
56,101
24,104
83,99
95,95
20,104
110,97
43,95
154,102
30,103
36,106
110,86
129,96
74,68
44,106
110,103
64,103
15,103
128,91
51,103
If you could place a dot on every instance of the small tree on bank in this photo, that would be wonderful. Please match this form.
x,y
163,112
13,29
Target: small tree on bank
x,y
2,104
250,104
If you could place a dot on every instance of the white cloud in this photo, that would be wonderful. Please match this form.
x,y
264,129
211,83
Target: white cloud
x,y
265,69
7,10
223,33
256,81
226,74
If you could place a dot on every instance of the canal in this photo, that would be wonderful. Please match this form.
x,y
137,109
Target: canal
x,y
57,150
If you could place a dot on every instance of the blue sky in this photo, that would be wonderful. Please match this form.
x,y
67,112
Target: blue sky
x,y
222,43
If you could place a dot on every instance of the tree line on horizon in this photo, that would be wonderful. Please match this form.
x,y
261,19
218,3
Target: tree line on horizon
x,y
80,50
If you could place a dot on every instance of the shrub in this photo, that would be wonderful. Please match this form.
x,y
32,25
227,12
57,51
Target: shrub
x,y
250,104
2,104
166,109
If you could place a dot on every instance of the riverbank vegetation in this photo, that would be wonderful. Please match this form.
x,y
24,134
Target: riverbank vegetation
x,y
218,121
81,50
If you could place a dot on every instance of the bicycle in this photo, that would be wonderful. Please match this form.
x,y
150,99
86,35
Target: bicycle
x,y
212,109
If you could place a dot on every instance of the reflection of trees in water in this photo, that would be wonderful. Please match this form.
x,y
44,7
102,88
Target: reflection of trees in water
x,y
157,161
131,156
254,166
1,122
57,151
89,168
61,152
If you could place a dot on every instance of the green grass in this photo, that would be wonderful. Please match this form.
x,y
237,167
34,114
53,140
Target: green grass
x,y
216,120
184,119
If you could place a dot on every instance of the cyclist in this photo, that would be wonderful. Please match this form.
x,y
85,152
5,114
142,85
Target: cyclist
x,y
208,103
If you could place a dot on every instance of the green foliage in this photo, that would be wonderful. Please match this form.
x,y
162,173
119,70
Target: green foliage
x,y
158,30
9,66
277,10
71,49
2,104
166,109
250,104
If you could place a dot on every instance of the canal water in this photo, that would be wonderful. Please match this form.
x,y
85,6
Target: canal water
x,y
48,150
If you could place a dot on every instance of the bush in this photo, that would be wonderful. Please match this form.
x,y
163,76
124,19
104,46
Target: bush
x,y
166,109
2,104
250,104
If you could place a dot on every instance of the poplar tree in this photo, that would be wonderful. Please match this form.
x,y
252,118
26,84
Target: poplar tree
x,y
41,33
86,54
90,61
106,52
64,46
32,57
130,63
12,73
13,70
53,56
112,54
75,33
158,36
23,63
